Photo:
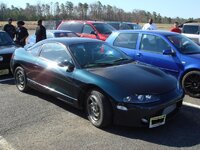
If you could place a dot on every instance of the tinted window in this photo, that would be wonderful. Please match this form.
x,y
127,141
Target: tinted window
x,y
87,29
153,43
5,39
97,54
191,29
126,40
103,28
71,26
54,52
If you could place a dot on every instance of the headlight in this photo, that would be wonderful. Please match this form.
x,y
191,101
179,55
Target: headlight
x,y
138,98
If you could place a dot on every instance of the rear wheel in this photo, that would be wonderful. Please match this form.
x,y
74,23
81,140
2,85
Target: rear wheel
x,y
191,83
98,109
20,79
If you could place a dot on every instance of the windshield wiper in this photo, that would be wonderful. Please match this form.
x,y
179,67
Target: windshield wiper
x,y
99,65
122,59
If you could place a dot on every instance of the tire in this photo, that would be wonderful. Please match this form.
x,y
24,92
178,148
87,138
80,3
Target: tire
x,y
99,110
191,83
20,79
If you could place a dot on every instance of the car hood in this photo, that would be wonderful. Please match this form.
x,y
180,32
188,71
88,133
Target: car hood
x,y
7,49
137,78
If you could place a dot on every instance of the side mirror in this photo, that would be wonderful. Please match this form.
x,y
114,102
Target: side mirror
x,y
70,66
169,52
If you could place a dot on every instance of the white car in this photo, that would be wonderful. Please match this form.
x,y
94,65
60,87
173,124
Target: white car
x,y
192,31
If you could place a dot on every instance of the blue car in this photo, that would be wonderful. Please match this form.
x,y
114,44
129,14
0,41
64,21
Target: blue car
x,y
169,51
92,75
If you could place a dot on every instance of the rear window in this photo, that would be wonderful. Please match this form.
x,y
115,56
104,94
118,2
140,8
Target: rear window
x,y
191,29
71,26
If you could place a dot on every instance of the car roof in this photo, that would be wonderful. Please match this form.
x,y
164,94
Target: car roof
x,y
161,32
197,23
84,21
72,40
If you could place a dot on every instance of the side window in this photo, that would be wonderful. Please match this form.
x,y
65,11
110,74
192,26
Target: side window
x,y
153,43
126,40
87,29
35,50
54,52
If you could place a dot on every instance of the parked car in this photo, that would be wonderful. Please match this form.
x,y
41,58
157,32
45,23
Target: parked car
x,y
192,31
169,51
124,25
53,34
89,29
7,47
90,74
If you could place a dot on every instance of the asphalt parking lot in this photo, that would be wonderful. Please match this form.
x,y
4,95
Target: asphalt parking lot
x,y
36,121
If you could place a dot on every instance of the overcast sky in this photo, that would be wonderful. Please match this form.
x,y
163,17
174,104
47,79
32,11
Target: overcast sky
x,y
169,8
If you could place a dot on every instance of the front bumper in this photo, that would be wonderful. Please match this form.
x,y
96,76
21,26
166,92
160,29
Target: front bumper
x,y
139,115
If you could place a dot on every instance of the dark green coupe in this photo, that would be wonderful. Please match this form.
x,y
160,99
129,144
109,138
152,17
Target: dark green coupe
x,y
89,74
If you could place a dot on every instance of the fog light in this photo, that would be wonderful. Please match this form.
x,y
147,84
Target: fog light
x,y
122,108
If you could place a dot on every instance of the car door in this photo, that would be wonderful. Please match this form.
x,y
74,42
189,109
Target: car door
x,y
53,77
150,51
88,32
127,43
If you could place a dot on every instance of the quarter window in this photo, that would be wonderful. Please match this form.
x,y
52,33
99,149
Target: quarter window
x,y
126,40
54,52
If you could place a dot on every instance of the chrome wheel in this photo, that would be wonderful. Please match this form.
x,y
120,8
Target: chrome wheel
x,y
191,83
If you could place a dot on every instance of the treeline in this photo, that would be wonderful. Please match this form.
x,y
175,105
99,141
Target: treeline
x,y
83,11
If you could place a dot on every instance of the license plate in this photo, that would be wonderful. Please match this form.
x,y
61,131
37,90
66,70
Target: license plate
x,y
169,109
4,71
157,121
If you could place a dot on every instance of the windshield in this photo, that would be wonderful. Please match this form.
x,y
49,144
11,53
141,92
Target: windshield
x,y
184,44
98,54
5,39
104,28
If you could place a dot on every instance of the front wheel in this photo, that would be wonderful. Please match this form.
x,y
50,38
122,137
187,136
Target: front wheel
x,y
20,79
98,109
191,83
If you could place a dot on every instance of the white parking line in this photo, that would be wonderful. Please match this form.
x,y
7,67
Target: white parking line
x,y
4,80
191,105
4,145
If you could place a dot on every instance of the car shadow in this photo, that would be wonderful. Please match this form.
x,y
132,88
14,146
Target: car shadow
x,y
182,131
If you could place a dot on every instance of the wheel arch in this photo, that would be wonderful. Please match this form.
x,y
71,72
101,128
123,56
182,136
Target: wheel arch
x,y
83,94
187,71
